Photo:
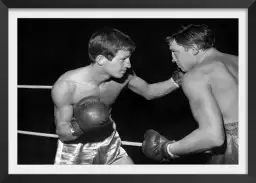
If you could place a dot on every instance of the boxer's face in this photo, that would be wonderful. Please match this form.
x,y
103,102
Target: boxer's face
x,y
182,57
119,64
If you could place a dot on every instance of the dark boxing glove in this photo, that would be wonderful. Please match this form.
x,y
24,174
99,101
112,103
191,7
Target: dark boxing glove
x,y
155,147
177,77
89,113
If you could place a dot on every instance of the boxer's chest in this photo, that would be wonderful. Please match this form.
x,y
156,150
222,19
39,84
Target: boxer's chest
x,y
108,92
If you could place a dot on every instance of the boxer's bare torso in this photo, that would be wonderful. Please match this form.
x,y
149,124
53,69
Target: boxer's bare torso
x,y
81,85
221,71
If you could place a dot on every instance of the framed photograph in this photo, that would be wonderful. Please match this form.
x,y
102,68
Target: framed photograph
x,y
43,44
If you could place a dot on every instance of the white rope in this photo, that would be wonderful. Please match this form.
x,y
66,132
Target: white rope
x,y
56,136
34,86
38,134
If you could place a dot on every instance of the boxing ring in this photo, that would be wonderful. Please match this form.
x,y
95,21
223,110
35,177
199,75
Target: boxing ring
x,y
47,135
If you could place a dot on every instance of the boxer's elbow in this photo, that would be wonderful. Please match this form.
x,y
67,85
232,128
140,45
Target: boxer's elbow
x,y
63,135
148,96
216,138
151,93
218,141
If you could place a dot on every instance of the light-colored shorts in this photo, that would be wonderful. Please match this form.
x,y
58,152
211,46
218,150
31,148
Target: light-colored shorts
x,y
107,151
230,155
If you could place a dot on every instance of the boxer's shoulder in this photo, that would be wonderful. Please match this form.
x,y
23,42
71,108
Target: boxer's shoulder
x,y
74,78
63,85
202,71
202,74
62,92
194,75
214,69
194,79
205,67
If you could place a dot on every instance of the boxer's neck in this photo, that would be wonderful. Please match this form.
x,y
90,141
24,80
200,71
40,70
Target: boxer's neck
x,y
97,74
202,55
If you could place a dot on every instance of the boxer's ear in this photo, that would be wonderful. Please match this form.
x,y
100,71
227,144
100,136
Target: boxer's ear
x,y
194,49
100,59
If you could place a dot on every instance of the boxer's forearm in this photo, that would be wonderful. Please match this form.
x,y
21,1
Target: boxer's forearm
x,y
198,141
64,132
161,89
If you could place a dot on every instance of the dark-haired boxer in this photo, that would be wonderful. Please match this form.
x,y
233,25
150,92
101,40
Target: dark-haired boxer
x,y
110,71
211,86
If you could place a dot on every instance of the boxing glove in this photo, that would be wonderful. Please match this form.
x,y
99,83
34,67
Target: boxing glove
x,y
90,113
177,77
155,146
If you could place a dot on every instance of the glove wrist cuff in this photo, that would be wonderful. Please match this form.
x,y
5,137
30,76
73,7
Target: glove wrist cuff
x,y
176,84
75,129
166,152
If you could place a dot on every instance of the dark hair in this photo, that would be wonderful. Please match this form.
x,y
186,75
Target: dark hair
x,y
107,42
200,35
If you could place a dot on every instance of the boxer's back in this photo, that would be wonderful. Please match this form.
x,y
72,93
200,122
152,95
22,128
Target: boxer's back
x,y
223,79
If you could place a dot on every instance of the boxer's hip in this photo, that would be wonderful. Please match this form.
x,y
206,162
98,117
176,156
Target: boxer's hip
x,y
104,152
229,155
232,132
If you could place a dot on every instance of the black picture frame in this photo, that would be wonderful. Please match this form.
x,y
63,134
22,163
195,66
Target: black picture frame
x,y
6,4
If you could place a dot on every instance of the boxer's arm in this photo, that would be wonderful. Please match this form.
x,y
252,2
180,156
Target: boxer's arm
x,y
63,110
210,132
151,91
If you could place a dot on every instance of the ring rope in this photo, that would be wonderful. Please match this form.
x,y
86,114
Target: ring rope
x,y
34,86
56,136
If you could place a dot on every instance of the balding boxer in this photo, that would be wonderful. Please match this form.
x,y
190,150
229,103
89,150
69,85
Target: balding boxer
x,y
211,86
83,140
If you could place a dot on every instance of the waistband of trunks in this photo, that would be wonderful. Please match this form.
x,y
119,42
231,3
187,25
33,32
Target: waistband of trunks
x,y
231,128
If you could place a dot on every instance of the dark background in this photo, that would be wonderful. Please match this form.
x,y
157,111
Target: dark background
x,y
49,47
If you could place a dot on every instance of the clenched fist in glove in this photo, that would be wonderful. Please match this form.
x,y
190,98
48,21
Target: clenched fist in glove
x,y
155,147
177,77
90,113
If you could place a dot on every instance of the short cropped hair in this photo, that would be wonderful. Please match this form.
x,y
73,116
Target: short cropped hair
x,y
108,42
199,35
